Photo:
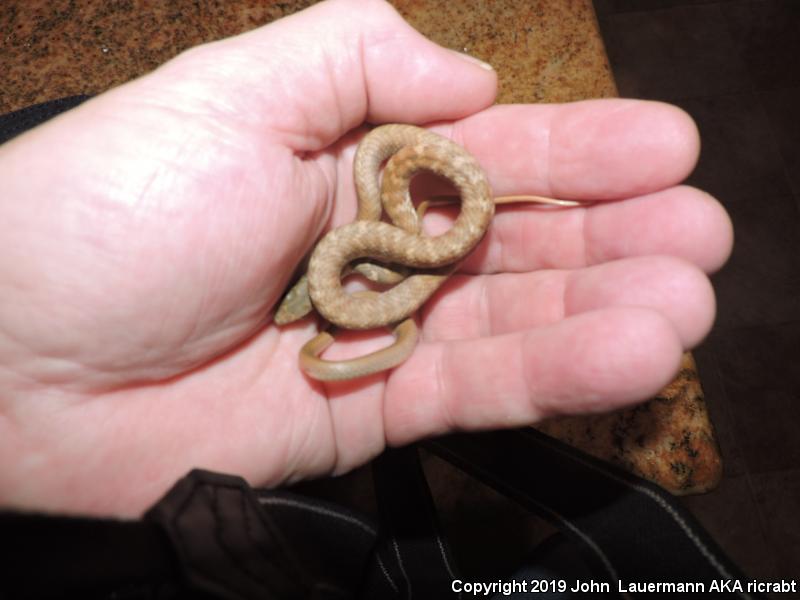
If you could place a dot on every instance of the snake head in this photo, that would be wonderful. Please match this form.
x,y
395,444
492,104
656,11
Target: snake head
x,y
295,305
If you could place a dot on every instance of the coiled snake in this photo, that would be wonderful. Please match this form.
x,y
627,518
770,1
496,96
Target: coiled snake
x,y
429,260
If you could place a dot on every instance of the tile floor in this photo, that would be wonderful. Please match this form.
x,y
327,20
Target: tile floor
x,y
733,65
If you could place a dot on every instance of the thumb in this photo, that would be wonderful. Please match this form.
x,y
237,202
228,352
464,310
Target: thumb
x,y
319,73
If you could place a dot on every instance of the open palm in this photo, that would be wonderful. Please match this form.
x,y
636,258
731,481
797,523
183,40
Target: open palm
x,y
146,236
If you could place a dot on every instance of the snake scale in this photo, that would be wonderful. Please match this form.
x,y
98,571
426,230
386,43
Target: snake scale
x,y
429,261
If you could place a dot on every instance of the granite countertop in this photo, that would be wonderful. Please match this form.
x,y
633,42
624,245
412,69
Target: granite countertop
x,y
543,51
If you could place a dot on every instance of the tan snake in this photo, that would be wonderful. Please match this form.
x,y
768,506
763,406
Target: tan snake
x,y
431,260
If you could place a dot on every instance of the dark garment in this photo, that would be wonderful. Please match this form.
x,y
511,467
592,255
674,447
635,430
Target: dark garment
x,y
212,536
19,121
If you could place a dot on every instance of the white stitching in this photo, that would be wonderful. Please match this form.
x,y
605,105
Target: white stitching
x,y
400,564
444,558
318,510
330,513
386,573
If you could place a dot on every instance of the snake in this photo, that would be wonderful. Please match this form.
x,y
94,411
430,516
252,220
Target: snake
x,y
397,252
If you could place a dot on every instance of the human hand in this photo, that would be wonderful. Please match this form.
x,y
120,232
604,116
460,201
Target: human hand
x,y
146,236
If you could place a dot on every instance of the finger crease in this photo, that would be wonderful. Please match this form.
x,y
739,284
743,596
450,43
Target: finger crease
x,y
485,308
443,390
362,63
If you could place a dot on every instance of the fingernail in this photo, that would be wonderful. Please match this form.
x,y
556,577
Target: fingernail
x,y
473,60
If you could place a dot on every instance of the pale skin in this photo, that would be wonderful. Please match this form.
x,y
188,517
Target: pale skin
x,y
146,236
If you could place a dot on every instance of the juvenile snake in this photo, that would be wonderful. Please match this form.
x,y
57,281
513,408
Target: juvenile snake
x,y
431,260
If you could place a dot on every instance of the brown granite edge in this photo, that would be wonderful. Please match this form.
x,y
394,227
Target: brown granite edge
x,y
668,440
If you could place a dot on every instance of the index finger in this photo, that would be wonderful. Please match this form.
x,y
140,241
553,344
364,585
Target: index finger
x,y
589,150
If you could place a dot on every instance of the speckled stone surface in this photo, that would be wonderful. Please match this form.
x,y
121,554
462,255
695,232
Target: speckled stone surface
x,y
543,51
668,440
65,47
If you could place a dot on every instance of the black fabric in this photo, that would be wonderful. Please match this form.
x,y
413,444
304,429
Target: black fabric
x,y
228,546
44,556
336,545
626,528
19,121
413,549
211,536
233,542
